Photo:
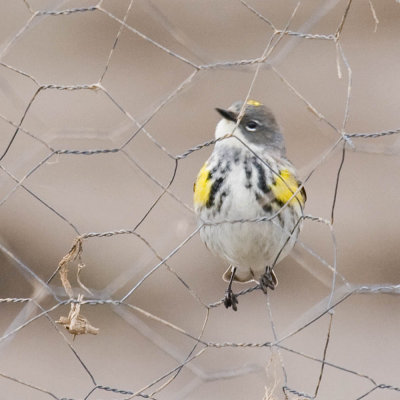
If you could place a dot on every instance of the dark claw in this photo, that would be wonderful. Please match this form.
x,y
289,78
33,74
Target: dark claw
x,y
268,280
230,300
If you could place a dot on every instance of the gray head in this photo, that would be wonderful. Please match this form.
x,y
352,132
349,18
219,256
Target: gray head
x,y
257,125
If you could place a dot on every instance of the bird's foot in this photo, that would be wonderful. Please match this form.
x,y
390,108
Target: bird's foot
x,y
230,299
268,280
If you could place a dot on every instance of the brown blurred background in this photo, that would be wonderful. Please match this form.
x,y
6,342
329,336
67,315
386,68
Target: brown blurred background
x,y
47,199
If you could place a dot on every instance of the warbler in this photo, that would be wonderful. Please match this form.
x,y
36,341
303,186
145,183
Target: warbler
x,y
247,197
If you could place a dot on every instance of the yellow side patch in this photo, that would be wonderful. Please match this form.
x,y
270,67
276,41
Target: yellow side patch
x,y
202,187
285,187
254,103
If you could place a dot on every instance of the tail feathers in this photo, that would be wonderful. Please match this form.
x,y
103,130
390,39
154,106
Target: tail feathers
x,y
242,276
246,275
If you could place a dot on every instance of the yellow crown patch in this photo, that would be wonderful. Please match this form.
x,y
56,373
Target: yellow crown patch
x,y
254,103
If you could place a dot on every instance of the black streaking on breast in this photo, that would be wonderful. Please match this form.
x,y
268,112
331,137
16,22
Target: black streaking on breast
x,y
262,184
216,186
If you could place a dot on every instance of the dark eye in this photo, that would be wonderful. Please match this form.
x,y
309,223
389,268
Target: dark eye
x,y
252,125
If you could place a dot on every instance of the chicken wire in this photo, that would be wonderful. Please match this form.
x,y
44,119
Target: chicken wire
x,y
106,117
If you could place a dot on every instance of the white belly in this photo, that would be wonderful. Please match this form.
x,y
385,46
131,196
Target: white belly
x,y
250,246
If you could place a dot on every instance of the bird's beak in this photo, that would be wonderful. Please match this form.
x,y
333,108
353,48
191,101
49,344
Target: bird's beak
x,y
229,115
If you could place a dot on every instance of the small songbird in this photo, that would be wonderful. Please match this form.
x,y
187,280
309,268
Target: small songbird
x,y
247,198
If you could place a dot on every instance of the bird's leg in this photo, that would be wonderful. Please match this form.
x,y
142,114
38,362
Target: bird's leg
x,y
230,299
268,280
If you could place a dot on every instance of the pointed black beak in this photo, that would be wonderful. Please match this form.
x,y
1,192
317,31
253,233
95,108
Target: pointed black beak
x,y
229,115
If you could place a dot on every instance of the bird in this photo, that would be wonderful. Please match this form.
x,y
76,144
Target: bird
x,y
247,198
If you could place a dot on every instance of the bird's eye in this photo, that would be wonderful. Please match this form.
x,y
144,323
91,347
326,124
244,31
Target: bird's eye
x,y
252,125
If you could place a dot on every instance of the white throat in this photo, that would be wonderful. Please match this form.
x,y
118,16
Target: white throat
x,y
225,127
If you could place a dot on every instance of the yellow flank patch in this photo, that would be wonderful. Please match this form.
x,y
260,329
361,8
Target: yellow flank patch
x,y
202,187
285,187
254,103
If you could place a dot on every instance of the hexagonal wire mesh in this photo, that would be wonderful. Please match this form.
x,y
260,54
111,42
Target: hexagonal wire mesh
x,y
106,116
